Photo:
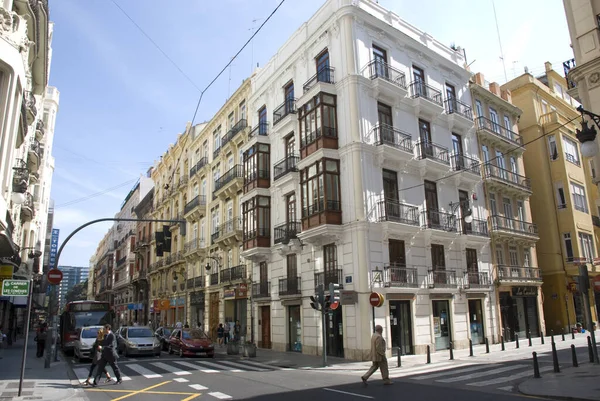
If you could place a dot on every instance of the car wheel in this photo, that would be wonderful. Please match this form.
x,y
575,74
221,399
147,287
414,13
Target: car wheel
x,y
170,350
180,352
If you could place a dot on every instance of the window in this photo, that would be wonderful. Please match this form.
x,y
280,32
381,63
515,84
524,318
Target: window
x,y
499,255
571,151
552,149
507,123
579,198
323,73
230,121
262,121
318,119
288,93
243,110
320,184
216,141
544,107
256,218
479,108
592,169
495,121
380,58
568,246
558,89
586,241
561,200
256,164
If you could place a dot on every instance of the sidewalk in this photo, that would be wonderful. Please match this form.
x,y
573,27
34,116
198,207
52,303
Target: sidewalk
x,y
51,384
571,384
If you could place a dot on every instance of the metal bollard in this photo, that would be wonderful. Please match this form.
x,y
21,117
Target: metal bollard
x,y
590,349
399,356
502,342
563,334
574,356
451,351
542,337
517,340
536,366
529,337
487,346
552,336
470,347
572,334
555,359
428,354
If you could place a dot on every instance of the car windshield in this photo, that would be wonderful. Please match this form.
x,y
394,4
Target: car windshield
x,y
90,333
137,333
194,335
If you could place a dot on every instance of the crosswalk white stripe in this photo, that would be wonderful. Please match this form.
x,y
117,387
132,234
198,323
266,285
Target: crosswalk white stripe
x,y
480,374
240,366
505,379
262,365
148,374
198,387
220,396
421,369
180,380
196,367
170,368
446,372
220,367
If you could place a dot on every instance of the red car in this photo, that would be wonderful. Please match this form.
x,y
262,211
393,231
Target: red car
x,y
191,342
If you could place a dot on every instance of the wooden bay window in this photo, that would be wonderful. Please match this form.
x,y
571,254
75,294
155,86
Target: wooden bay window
x,y
321,197
318,124
257,165
257,222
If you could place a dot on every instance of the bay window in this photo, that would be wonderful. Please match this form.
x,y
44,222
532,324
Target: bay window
x,y
257,167
256,214
318,125
321,198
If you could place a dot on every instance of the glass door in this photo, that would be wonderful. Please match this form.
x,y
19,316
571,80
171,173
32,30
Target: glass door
x,y
401,327
380,58
441,324
431,204
295,329
476,321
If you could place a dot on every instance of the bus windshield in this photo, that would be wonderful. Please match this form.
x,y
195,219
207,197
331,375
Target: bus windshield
x,y
84,319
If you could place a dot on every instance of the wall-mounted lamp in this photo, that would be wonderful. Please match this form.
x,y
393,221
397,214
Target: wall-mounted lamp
x,y
587,135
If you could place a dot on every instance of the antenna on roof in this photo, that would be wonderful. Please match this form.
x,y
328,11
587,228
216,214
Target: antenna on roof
x,y
499,42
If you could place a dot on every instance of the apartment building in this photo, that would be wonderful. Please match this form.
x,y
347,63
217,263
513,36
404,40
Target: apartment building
x,y
143,253
517,279
564,203
375,186
103,262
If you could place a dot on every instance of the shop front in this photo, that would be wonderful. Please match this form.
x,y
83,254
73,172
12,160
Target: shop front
x,y
442,325
177,311
236,309
159,311
294,328
197,309
476,320
519,311
401,326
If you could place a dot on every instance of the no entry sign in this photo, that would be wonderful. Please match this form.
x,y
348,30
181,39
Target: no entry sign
x,y
55,276
376,299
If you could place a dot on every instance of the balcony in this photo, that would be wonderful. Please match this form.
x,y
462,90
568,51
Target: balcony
x,y
30,105
477,280
321,212
260,130
176,219
287,165
261,290
287,230
27,208
505,181
323,137
498,136
518,274
290,286
396,275
441,278
386,80
229,233
198,166
459,114
183,180
196,208
426,98
439,220
467,164
512,229
257,238
325,75
194,247
232,133
477,227
257,179
335,276
287,108
432,151
40,130
214,279
571,85
596,221
394,211
234,273
230,183
121,261
393,145
34,155
20,177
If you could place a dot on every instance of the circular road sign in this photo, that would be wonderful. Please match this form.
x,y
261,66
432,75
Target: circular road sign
x,y
55,276
334,305
376,299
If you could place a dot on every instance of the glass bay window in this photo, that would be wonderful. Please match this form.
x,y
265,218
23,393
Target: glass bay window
x,y
318,124
256,214
321,194
257,167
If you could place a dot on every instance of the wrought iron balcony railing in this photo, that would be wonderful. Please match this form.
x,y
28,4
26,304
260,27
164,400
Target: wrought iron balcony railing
x,y
287,230
239,126
236,171
285,166
380,69
330,275
466,163
388,135
513,225
261,129
519,273
439,220
261,290
201,163
476,227
214,279
483,123
429,150
393,210
325,74
475,279
234,273
199,200
231,226
421,89
290,286
458,107
286,108
398,275
499,173
442,278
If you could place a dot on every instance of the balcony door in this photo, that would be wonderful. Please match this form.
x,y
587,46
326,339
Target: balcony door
x,y
384,113
289,97
425,138
290,146
463,198
419,78
508,213
263,273
322,60
397,254
472,266
380,58
438,260
262,121
330,264
431,204
290,207
451,97
390,194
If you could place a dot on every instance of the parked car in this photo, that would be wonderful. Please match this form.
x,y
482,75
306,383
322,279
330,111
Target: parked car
x,y
82,346
163,334
191,342
137,340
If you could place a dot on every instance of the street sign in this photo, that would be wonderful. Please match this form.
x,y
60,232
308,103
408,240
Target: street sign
x,y
55,276
334,305
15,288
376,299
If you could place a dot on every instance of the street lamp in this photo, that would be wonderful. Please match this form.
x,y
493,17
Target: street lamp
x,y
216,259
587,135
467,216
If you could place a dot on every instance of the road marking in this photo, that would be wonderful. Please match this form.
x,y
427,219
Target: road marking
x,y
507,388
221,367
262,365
196,367
505,379
148,374
81,374
220,396
481,374
180,380
140,391
445,373
240,366
191,397
171,369
198,387
345,392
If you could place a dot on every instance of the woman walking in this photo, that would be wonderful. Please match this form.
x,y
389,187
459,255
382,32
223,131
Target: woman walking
x,y
96,355
40,338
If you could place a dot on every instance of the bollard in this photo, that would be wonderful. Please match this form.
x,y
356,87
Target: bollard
x,y
529,337
517,340
555,359
590,349
487,346
574,356
572,334
502,342
536,366
451,351
399,357
470,347
563,334
542,337
428,354
552,336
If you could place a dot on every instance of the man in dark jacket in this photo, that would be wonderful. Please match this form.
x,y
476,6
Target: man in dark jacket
x,y
109,355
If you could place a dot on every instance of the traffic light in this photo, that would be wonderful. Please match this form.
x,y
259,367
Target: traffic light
x,y
334,292
160,243
167,236
315,302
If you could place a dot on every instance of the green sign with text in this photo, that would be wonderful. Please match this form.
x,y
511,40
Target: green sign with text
x,y
15,288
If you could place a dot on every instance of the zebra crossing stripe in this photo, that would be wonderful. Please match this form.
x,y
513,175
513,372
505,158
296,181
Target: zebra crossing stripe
x,y
195,367
446,372
505,379
198,387
171,369
148,374
220,367
400,372
220,396
480,374
238,365
262,365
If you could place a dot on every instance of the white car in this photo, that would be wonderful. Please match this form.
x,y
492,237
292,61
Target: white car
x,y
83,344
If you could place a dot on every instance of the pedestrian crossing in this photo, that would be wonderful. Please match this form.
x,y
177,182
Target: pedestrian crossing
x,y
153,369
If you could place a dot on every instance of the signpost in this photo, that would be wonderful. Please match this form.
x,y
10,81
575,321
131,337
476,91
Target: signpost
x,y
55,276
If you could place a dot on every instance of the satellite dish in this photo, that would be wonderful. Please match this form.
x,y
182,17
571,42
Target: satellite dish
x,y
285,240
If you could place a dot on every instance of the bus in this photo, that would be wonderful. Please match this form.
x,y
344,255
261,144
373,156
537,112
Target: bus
x,y
80,314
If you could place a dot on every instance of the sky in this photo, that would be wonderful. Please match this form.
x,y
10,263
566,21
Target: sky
x,y
122,102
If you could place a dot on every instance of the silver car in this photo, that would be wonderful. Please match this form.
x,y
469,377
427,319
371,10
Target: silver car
x,y
82,346
138,340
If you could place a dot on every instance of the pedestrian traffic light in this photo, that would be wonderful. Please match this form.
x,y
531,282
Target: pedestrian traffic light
x,y
160,243
315,302
334,292
167,242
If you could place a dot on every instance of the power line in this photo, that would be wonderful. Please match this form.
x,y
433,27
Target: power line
x,y
492,159
96,194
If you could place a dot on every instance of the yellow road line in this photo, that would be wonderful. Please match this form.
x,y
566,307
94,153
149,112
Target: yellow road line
x,y
141,391
145,392
191,397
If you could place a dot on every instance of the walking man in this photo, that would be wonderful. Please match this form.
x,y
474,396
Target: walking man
x,y
109,355
378,358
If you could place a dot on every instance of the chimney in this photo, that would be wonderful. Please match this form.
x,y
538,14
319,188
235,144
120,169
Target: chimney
x,y
479,79
495,88
506,95
548,66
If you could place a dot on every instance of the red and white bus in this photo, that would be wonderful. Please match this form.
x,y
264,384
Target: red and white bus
x,y
80,314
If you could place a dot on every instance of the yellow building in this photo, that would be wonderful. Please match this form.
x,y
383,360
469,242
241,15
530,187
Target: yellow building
x,y
564,201
517,279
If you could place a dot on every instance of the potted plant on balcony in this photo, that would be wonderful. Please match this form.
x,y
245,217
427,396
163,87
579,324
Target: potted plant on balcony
x,y
249,349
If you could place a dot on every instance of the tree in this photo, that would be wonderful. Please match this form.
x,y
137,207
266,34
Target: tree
x,y
78,292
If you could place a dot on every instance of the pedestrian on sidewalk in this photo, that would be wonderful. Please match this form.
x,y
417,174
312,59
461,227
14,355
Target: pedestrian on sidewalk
x,y
226,331
96,355
109,355
378,358
40,338
220,334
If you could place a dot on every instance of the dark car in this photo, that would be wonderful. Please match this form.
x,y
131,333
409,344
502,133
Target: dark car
x,y
163,334
191,342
